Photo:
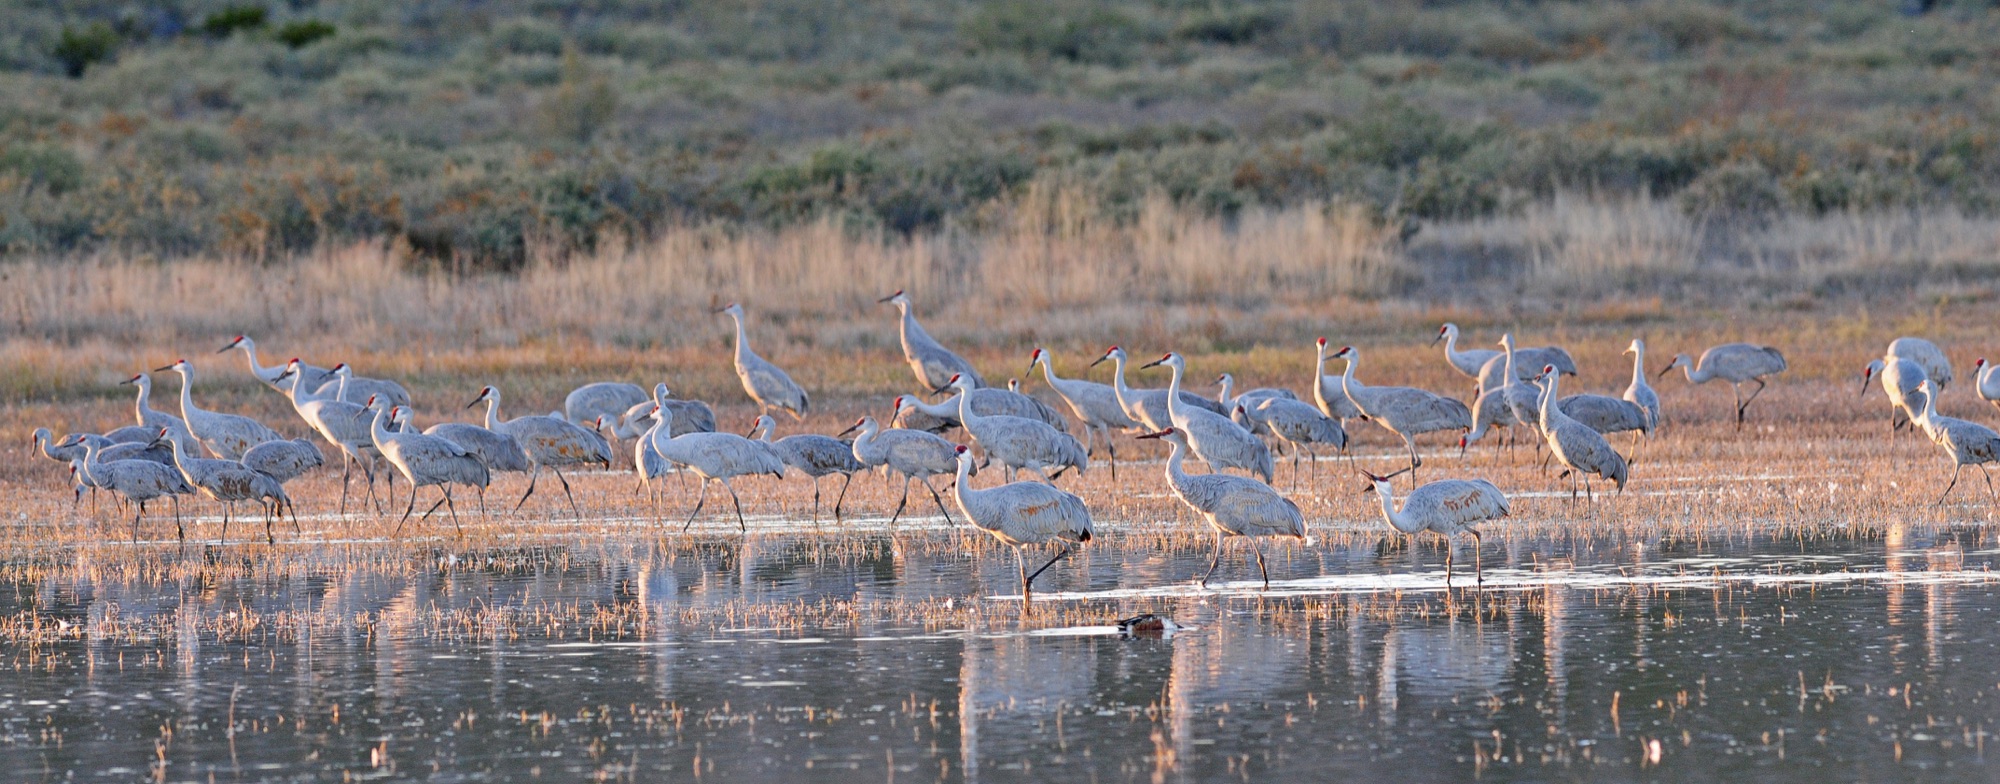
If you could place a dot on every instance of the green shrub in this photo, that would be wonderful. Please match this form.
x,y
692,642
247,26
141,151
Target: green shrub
x,y
1233,26
79,48
1076,31
303,33
233,19
1740,194
54,169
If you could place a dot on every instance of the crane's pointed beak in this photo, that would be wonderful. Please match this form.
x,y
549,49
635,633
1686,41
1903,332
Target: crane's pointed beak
x,y
1864,382
225,349
163,369
1161,434
1100,360
1461,447
1434,340
1663,372
939,390
850,429
1153,363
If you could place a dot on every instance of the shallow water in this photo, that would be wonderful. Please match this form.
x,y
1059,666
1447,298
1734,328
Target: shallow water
x,y
1781,657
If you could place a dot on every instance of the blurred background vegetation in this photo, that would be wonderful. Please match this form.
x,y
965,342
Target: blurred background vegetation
x,y
486,134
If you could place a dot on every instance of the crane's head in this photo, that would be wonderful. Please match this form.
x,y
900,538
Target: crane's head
x,y
1172,435
1978,363
1547,370
139,379
1037,356
1321,343
1225,380
1170,359
160,439
661,391
485,394
1868,374
733,309
1345,352
859,424
764,424
1448,330
240,341
179,365
1680,360
1112,353
898,298
1636,346
1380,483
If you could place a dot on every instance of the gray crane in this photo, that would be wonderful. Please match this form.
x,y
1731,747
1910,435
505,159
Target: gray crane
x,y
1605,414
1641,394
1326,389
1019,442
1406,411
227,436
230,481
1900,379
427,460
816,456
1299,424
341,423
153,420
75,446
989,401
1986,382
1526,363
932,363
764,382
1232,505
1229,397
590,401
1022,513
138,481
498,451
1096,405
1734,363
1446,507
1215,438
284,460
1966,443
1468,362
913,453
1148,407
356,389
270,375
1583,450
551,441
690,416
714,457
1926,355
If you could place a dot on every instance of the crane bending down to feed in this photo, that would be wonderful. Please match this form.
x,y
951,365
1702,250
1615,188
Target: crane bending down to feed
x,y
932,363
1022,513
1734,363
1406,411
428,460
714,457
1019,442
227,436
1584,450
228,482
1232,505
547,441
913,453
1926,355
1966,443
764,382
1215,438
138,481
1093,403
1901,380
584,404
816,456
1986,382
1446,508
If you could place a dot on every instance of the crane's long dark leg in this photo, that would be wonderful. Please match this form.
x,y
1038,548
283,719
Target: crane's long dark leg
x,y
1045,567
1753,397
1027,595
843,496
453,509
227,508
1261,571
699,500
1411,442
902,503
1739,403
1954,483
740,525
1111,448
815,500
346,474
179,532
566,493
940,502
1478,572
135,521
534,474
1447,561
434,508
1215,562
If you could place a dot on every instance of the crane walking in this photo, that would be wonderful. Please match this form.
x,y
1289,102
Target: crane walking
x,y
913,453
1446,507
138,481
1215,438
714,457
1019,442
814,455
427,460
1966,443
1406,411
547,441
1093,403
1232,505
1576,445
764,382
1734,363
932,363
227,436
1022,513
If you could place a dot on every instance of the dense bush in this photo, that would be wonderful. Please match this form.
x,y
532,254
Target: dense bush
x,y
482,134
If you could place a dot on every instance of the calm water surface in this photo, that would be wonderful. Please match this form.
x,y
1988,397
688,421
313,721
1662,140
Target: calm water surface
x,y
1774,658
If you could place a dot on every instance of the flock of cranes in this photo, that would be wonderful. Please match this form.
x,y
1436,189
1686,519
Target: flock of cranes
x,y
231,458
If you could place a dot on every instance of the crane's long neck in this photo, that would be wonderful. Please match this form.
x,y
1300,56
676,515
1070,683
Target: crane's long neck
x,y
187,395
742,348
1228,386
1398,521
1638,364
1451,351
87,465
377,427
180,459
966,416
142,405
913,333
1349,386
1174,391
1507,367
865,439
1551,413
250,355
1319,379
340,392
1177,474
1929,412
1695,374
1049,372
1118,378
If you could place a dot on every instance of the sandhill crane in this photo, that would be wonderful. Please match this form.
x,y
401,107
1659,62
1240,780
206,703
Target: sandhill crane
x,y
153,420
138,481
1926,355
1093,403
547,441
1901,379
690,416
816,456
76,446
1232,505
1523,400
1216,439
428,460
1229,397
590,401
1735,363
227,436
913,453
1022,513
1605,414
1583,450
1467,362
1299,424
1489,410
1966,443
1525,363
270,375
130,434
498,451
764,382
714,457
1019,442
988,401
356,389
1445,507
1148,407
342,425
229,481
932,363
1641,394
1406,411
1326,389
1986,382
284,460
